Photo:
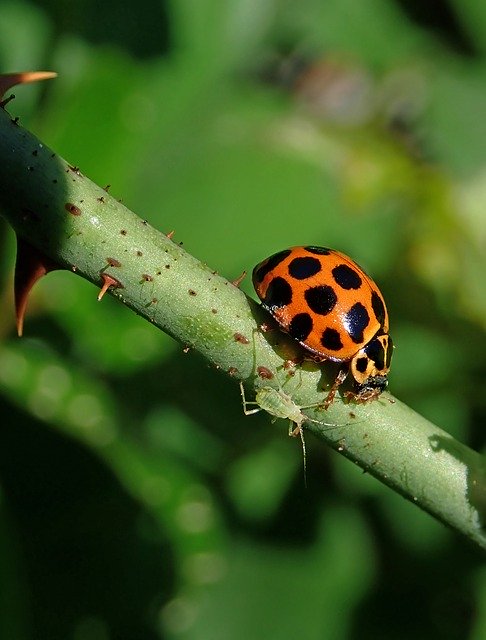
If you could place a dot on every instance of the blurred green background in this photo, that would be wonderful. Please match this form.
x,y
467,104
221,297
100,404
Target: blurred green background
x,y
136,500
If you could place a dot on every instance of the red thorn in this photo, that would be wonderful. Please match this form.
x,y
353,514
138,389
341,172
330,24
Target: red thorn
x,y
31,264
9,80
170,234
108,282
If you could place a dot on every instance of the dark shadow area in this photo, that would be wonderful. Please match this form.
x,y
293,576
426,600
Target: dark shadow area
x,y
78,532
141,28
438,16
442,605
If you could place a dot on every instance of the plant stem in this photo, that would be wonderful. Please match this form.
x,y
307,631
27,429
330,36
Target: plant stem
x,y
79,226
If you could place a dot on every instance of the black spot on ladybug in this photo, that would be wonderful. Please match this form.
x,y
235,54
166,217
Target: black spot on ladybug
x,y
375,352
300,326
331,340
279,294
302,268
261,270
389,351
346,277
321,251
356,321
362,364
321,299
378,307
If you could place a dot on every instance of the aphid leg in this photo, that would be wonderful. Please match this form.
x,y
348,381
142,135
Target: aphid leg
x,y
246,403
340,378
298,430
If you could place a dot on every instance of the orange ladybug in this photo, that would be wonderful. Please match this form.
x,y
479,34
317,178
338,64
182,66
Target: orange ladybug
x,y
334,310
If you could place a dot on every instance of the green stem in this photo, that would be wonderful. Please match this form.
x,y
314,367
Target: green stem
x,y
77,224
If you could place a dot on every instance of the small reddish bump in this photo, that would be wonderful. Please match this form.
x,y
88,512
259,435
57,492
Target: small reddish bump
x,y
289,364
265,327
239,337
170,234
108,281
192,292
264,373
113,262
232,371
72,208
146,278
239,279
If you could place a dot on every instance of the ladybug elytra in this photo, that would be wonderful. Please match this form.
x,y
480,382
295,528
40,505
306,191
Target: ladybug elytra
x,y
334,310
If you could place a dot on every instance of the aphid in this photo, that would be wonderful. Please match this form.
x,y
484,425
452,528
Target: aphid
x,y
280,405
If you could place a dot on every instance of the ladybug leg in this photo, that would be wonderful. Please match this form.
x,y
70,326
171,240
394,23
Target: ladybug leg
x,y
340,378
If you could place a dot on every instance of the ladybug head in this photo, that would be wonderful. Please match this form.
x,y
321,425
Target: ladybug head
x,y
370,366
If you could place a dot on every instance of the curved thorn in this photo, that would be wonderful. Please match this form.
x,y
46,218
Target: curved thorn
x,y
31,264
9,80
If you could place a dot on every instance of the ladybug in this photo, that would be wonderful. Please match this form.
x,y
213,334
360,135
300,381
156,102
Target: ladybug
x,y
334,310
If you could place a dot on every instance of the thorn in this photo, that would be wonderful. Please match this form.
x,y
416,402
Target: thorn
x,y
239,279
5,101
31,264
170,235
108,282
9,80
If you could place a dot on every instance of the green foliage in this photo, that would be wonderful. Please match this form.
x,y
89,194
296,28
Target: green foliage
x,y
136,499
